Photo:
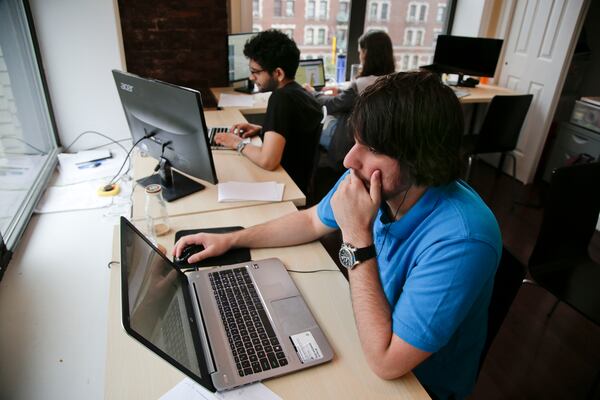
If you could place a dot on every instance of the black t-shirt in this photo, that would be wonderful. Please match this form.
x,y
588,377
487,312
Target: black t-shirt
x,y
295,114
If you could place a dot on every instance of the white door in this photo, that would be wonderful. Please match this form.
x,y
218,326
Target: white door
x,y
537,55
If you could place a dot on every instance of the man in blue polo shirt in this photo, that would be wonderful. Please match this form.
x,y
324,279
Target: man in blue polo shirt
x,y
420,245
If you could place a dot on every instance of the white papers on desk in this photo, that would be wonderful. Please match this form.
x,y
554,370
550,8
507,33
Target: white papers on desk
x,y
235,100
72,171
80,196
187,389
244,191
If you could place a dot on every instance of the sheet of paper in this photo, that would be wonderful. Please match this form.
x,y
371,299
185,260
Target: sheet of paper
x,y
72,171
235,100
243,191
187,389
80,196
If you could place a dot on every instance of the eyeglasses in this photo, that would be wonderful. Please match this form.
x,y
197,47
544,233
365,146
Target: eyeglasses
x,y
255,71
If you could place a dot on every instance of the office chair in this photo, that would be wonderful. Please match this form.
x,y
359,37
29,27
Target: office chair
x,y
561,261
507,283
499,131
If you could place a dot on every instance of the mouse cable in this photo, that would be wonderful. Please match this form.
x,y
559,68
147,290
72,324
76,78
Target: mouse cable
x,y
313,271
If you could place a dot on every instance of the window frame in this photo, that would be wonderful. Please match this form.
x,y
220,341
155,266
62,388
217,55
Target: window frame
x,y
22,21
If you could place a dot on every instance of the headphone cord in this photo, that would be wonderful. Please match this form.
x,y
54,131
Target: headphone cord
x,y
393,220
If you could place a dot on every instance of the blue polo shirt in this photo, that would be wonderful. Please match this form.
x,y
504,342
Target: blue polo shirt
x,y
437,266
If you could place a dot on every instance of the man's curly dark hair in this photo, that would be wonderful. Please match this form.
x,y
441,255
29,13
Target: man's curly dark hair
x,y
273,49
416,119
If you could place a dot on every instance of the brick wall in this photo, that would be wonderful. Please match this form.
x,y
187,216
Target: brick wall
x,y
181,42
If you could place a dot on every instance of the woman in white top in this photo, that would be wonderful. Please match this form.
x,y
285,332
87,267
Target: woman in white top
x,y
377,59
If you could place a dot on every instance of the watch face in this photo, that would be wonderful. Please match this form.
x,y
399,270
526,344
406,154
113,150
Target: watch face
x,y
346,257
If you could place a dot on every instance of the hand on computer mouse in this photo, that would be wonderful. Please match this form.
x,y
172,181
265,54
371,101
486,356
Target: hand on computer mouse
x,y
187,252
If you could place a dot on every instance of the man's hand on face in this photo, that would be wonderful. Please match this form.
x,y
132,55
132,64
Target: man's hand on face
x,y
355,208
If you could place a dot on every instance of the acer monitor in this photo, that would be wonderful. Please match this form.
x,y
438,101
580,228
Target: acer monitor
x,y
167,122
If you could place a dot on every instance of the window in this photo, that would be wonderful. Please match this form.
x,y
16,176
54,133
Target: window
x,y
415,61
289,8
277,8
405,60
322,9
441,14
344,11
417,12
28,146
373,11
384,11
321,36
310,9
408,37
309,36
256,8
419,38
436,33
288,29
342,36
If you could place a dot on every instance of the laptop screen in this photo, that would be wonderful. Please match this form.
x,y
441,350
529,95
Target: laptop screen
x,y
155,307
311,72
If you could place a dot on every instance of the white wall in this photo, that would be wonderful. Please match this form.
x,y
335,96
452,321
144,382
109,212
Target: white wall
x,y
80,42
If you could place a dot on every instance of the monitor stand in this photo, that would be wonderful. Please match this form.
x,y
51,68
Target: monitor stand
x,y
174,184
248,88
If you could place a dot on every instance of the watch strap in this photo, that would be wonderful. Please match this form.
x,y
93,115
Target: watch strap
x,y
365,253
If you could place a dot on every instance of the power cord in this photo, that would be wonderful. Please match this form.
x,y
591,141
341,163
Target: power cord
x,y
313,271
95,147
111,183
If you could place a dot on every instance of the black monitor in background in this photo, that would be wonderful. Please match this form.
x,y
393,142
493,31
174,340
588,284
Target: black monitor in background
x,y
466,56
237,62
167,122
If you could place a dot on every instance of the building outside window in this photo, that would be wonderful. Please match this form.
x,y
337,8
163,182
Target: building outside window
x,y
256,9
333,16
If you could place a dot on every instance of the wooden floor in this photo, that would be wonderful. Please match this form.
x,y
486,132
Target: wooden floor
x,y
545,349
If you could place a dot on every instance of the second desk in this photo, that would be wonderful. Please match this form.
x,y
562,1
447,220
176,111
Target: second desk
x,y
229,166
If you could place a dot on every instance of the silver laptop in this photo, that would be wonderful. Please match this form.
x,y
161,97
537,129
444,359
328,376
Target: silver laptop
x,y
222,326
211,136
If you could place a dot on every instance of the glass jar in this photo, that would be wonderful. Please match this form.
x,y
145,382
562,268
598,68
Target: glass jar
x,y
157,220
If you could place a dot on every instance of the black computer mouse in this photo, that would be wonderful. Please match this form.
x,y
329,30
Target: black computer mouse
x,y
188,252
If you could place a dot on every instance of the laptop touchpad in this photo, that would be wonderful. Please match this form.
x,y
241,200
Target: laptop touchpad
x,y
293,315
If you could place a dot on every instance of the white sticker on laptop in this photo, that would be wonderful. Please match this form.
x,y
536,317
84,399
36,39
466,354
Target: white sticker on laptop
x,y
306,347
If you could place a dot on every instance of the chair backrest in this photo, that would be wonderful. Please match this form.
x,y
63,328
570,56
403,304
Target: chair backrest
x,y
570,213
507,282
502,124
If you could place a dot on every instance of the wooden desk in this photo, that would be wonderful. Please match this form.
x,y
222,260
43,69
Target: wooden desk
x,y
483,93
260,100
134,372
229,167
480,94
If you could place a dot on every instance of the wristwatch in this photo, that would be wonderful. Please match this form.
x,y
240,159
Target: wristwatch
x,y
350,256
241,144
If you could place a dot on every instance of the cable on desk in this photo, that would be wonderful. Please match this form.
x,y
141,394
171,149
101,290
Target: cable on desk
x,y
110,263
315,270
96,133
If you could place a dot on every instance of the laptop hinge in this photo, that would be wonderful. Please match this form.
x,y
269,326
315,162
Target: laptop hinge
x,y
208,355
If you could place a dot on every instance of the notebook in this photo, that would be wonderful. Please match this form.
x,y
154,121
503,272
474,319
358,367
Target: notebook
x,y
221,326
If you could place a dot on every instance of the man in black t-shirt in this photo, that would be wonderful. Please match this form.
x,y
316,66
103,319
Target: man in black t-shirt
x,y
293,120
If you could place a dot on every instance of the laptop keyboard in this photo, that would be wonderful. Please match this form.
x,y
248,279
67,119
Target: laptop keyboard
x,y
212,132
250,334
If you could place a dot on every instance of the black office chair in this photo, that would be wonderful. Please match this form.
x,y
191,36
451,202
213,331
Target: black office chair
x,y
500,130
507,283
561,261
